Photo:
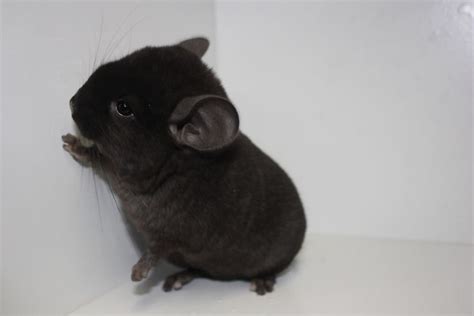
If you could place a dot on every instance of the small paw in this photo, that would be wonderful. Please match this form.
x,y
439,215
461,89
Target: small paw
x,y
172,285
262,285
70,141
178,280
73,146
140,272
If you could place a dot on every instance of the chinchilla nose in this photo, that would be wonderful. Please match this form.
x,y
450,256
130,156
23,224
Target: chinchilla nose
x,y
72,104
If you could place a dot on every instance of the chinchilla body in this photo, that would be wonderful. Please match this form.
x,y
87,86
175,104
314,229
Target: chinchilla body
x,y
166,138
236,215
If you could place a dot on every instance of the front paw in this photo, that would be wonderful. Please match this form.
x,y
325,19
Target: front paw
x,y
74,147
140,271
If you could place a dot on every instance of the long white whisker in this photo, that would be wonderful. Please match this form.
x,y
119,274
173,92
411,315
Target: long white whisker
x,y
126,33
115,201
98,203
122,23
107,180
129,45
100,38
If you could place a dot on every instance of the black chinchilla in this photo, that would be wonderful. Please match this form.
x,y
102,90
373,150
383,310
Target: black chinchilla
x,y
166,137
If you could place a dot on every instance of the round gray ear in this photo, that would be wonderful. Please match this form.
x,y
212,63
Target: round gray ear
x,y
205,123
197,45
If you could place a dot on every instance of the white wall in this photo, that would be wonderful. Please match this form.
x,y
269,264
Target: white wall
x,y
1,176
366,103
56,251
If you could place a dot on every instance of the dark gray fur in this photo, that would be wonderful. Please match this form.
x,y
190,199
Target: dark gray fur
x,y
201,194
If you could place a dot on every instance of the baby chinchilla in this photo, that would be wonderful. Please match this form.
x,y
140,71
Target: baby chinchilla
x,y
203,196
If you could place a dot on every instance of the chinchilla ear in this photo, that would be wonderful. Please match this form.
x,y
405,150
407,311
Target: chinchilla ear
x,y
205,123
197,45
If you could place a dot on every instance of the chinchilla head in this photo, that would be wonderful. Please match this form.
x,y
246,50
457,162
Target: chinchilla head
x,y
155,102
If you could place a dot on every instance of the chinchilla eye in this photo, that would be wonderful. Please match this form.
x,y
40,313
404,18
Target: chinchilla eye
x,y
123,108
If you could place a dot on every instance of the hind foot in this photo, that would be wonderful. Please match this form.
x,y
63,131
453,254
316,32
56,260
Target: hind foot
x,y
263,285
178,280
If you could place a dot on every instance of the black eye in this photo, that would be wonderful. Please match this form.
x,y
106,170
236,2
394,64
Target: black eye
x,y
123,108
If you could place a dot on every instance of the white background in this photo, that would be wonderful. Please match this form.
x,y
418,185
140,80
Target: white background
x,y
61,246
366,104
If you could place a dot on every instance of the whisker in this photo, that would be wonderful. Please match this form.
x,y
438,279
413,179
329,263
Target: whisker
x,y
124,35
98,203
107,180
129,45
82,182
90,59
122,23
110,189
100,38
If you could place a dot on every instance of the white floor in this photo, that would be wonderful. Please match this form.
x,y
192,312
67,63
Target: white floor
x,y
332,275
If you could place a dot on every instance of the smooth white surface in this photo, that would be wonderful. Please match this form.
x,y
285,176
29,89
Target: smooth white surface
x,y
367,104
1,183
62,245
332,275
